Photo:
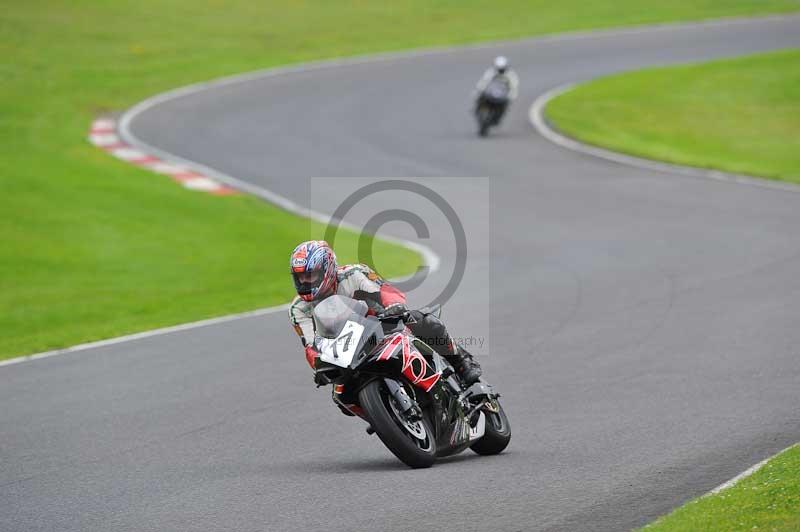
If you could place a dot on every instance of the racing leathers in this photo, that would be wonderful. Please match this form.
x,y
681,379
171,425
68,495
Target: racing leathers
x,y
509,77
360,282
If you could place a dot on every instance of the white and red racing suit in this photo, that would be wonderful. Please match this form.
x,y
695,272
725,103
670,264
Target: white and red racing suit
x,y
359,281
355,280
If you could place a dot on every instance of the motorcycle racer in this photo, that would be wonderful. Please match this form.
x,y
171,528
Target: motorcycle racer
x,y
499,71
317,276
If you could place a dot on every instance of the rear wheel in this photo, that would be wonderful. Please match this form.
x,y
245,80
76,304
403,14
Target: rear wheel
x,y
410,440
498,431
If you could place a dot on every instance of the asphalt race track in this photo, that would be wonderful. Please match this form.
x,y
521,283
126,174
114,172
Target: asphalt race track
x,y
644,326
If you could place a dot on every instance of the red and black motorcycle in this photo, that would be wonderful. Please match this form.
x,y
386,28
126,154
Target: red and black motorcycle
x,y
410,395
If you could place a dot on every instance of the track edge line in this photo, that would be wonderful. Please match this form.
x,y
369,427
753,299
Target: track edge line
x,y
544,128
145,334
747,472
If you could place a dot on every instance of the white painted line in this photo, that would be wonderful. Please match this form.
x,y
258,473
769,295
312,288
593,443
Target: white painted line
x,y
744,474
539,122
146,334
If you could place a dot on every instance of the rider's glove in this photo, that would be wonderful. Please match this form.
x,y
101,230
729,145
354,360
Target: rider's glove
x,y
311,356
395,310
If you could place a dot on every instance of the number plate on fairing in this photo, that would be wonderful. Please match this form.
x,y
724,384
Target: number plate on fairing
x,y
341,350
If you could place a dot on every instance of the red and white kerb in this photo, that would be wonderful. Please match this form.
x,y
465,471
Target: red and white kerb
x,y
103,134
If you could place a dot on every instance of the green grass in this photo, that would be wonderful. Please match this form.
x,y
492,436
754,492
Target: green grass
x,y
91,247
768,500
740,115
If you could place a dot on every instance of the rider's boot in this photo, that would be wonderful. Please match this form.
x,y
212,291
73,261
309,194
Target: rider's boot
x,y
465,365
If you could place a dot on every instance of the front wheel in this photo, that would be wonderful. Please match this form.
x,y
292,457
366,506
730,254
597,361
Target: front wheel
x,y
498,431
484,117
411,441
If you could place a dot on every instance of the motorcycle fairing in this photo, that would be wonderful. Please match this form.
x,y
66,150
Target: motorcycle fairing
x,y
413,365
340,351
347,350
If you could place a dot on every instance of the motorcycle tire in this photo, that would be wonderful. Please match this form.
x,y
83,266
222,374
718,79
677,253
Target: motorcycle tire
x,y
497,435
391,429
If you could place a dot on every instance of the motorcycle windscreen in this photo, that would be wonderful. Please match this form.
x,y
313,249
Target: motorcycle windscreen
x,y
331,315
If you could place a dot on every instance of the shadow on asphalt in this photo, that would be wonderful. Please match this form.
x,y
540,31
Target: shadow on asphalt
x,y
382,465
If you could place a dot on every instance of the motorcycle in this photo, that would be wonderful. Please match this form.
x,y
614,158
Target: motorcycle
x,y
410,396
491,105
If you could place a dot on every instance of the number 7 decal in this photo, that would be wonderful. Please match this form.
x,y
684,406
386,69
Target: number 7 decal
x,y
349,337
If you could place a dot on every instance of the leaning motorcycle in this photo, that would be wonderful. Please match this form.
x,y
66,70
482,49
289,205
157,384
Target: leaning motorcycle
x,y
491,105
410,396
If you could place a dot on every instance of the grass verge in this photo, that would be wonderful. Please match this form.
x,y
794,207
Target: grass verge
x,y
740,115
767,500
93,248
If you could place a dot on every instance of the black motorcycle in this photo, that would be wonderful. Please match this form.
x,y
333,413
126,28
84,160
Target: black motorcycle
x,y
491,105
410,395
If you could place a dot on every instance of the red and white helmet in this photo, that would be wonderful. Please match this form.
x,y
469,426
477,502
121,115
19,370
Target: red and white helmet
x,y
313,266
